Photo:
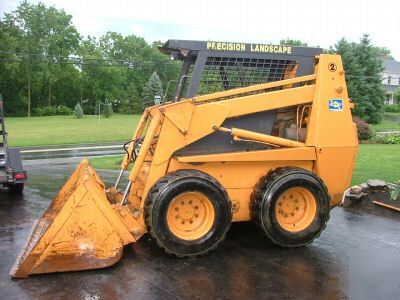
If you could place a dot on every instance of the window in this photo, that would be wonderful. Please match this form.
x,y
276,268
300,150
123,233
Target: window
x,y
389,79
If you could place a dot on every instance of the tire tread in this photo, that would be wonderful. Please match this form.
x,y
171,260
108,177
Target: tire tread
x,y
258,195
158,188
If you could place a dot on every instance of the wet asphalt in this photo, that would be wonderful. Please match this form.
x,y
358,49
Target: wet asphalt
x,y
356,257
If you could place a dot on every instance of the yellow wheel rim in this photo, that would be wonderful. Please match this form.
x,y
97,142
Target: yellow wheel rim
x,y
190,216
295,209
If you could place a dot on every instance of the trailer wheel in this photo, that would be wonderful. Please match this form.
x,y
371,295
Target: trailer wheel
x,y
16,188
188,213
291,206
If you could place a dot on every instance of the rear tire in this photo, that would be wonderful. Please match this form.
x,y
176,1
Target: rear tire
x,y
188,213
16,188
291,206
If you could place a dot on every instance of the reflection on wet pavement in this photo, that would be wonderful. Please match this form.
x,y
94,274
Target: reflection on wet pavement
x,y
245,266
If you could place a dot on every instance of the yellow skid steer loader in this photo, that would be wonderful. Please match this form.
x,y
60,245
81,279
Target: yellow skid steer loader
x,y
258,133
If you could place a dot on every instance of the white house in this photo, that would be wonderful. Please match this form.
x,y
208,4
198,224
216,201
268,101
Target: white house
x,y
390,78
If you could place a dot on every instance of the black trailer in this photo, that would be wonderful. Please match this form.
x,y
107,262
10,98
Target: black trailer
x,y
12,174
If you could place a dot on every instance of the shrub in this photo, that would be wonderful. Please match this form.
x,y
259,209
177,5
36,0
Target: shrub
x,y
45,111
52,111
363,130
37,112
89,109
78,112
107,110
49,111
393,138
392,108
63,110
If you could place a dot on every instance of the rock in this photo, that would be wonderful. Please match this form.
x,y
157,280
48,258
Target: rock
x,y
352,196
347,202
355,189
376,183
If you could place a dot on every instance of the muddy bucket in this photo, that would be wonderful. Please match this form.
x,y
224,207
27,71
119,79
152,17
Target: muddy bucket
x,y
80,230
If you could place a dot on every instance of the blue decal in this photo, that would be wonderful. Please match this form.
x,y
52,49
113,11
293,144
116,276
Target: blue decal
x,y
335,105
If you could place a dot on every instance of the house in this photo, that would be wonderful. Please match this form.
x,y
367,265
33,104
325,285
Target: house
x,y
390,78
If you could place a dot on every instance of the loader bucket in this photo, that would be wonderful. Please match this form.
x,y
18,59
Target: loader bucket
x,y
80,230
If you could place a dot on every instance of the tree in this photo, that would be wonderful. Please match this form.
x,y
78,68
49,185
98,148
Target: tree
x,y
107,109
383,51
132,102
373,93
363,68
78,111
45,37
353,73
153,88
396,95
126,80
44,61
292,42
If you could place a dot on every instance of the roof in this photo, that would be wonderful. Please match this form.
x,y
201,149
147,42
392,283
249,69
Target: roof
x,y
181,48
391,65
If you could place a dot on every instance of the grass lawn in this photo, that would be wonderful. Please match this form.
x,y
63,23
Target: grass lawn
x,y
388,123
107,162
373,161
394,114
53,130
377,161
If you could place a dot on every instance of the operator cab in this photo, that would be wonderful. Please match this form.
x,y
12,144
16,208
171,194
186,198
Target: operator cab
x,y
210,67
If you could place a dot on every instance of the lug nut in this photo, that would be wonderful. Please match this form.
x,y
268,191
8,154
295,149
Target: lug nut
x,y
182,203
196,215
183,222
191,221
176,208
297,208
190,201
196,207
176,217
292,214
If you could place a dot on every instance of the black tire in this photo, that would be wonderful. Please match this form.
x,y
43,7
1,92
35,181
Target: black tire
x,y
268,191
161,195
16,188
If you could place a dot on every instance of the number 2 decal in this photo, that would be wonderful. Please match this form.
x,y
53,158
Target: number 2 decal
x,y
332,67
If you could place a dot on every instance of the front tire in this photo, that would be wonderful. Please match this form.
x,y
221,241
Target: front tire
x,y
188,213
291,206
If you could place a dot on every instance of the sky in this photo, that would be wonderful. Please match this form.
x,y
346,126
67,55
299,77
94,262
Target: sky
x,y
317,22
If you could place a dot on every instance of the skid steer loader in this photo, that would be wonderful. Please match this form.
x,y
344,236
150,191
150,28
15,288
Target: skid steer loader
x,y
254,132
